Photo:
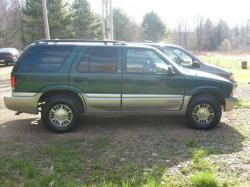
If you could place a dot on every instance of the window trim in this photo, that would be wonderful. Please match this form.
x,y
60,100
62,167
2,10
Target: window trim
x,y
88,49
143,73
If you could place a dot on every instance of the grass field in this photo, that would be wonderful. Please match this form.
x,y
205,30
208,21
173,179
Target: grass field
x,y
230,63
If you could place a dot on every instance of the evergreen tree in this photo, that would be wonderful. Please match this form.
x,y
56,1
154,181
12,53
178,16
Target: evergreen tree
x,y
86,24
208,36
222,31
59,20
124,28
153,27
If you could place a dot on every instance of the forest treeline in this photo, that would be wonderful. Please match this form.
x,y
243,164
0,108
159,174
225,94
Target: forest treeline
x,y
21,23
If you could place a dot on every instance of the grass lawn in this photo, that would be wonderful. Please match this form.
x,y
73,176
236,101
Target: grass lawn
x,y
231,63
64,164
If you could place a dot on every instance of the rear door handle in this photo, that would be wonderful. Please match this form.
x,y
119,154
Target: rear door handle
x,y
78,80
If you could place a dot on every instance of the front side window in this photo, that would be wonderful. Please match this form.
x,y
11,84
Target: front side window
x,y
44,59
144,61
99,60
178,56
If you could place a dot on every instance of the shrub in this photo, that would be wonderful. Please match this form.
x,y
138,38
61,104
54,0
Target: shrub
x,y
203,179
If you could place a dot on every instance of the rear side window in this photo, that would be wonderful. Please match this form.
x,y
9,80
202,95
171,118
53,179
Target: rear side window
x,y
99,60
44,59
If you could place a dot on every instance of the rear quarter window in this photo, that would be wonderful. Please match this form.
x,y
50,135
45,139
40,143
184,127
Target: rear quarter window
x,y
44,59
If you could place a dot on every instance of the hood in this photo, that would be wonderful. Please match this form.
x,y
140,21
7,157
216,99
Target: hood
x,y
215,70
202,74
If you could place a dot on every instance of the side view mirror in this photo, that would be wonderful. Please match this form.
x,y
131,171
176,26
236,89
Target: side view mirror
x,y
170,70
196,64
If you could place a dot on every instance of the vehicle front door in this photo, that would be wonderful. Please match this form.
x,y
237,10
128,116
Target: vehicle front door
x,y
148,86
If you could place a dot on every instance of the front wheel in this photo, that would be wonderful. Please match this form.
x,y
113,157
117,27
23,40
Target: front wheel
x,y
61,113
203,112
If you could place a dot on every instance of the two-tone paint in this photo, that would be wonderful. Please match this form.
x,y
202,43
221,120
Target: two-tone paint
x,y
119,92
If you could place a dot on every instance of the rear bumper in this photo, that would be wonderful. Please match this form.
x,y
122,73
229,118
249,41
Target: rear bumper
x,y
23,102
9,60
230,103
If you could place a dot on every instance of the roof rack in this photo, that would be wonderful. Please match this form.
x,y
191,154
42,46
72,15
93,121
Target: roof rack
x,y
106,42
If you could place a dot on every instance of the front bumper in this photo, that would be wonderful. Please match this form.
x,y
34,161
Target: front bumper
x,y
2,61
23,102
230,103
9,60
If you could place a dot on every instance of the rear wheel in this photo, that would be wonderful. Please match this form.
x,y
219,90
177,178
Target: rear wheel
x,y
203,112
61,113
6,63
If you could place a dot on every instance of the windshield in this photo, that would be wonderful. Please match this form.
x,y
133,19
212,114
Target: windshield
x,y
178,56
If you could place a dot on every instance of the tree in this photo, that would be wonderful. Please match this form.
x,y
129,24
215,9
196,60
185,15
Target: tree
x,y
58,15
199,31
124,28
235,33
208,36
222,32
86,24
182,35
10,23
225,45
153,27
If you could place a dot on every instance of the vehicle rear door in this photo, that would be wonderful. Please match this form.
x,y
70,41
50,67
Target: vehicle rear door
x,y
97,72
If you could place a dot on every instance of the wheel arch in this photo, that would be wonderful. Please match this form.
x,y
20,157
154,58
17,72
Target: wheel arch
x,y
211,91
70,91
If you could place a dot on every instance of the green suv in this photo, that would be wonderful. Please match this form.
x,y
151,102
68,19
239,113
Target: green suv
x,y
64,79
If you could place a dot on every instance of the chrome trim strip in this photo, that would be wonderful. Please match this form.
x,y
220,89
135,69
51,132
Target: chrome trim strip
x,y
182,111
102,102
151,102
102,95
23,94
150,96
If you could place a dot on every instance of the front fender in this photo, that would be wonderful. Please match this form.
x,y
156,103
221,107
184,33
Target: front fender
x,y
205,89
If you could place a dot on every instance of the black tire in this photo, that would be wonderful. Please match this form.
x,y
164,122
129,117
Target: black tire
x,y
59,100
6,63
200,101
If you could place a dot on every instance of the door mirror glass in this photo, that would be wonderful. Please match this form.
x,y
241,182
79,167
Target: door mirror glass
x,y
196,64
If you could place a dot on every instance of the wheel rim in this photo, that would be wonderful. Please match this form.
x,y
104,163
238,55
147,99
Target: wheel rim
x,y
203,114
61,115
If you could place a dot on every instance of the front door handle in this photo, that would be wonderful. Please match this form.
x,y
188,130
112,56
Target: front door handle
x,y
78,80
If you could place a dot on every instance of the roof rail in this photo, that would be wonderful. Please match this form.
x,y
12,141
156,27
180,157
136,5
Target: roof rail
x,y
106,42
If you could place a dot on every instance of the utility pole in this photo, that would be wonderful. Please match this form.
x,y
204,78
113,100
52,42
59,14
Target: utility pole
x,y
107,19
45,20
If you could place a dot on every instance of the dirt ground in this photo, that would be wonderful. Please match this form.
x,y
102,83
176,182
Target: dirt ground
x,y
142,139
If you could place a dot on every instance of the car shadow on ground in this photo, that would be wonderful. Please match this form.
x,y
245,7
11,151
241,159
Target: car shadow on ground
x,y
147,132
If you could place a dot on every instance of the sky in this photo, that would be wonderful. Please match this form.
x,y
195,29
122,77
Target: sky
x,y
171,11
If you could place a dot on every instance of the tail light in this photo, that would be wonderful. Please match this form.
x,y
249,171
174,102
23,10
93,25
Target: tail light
x,y
13,82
